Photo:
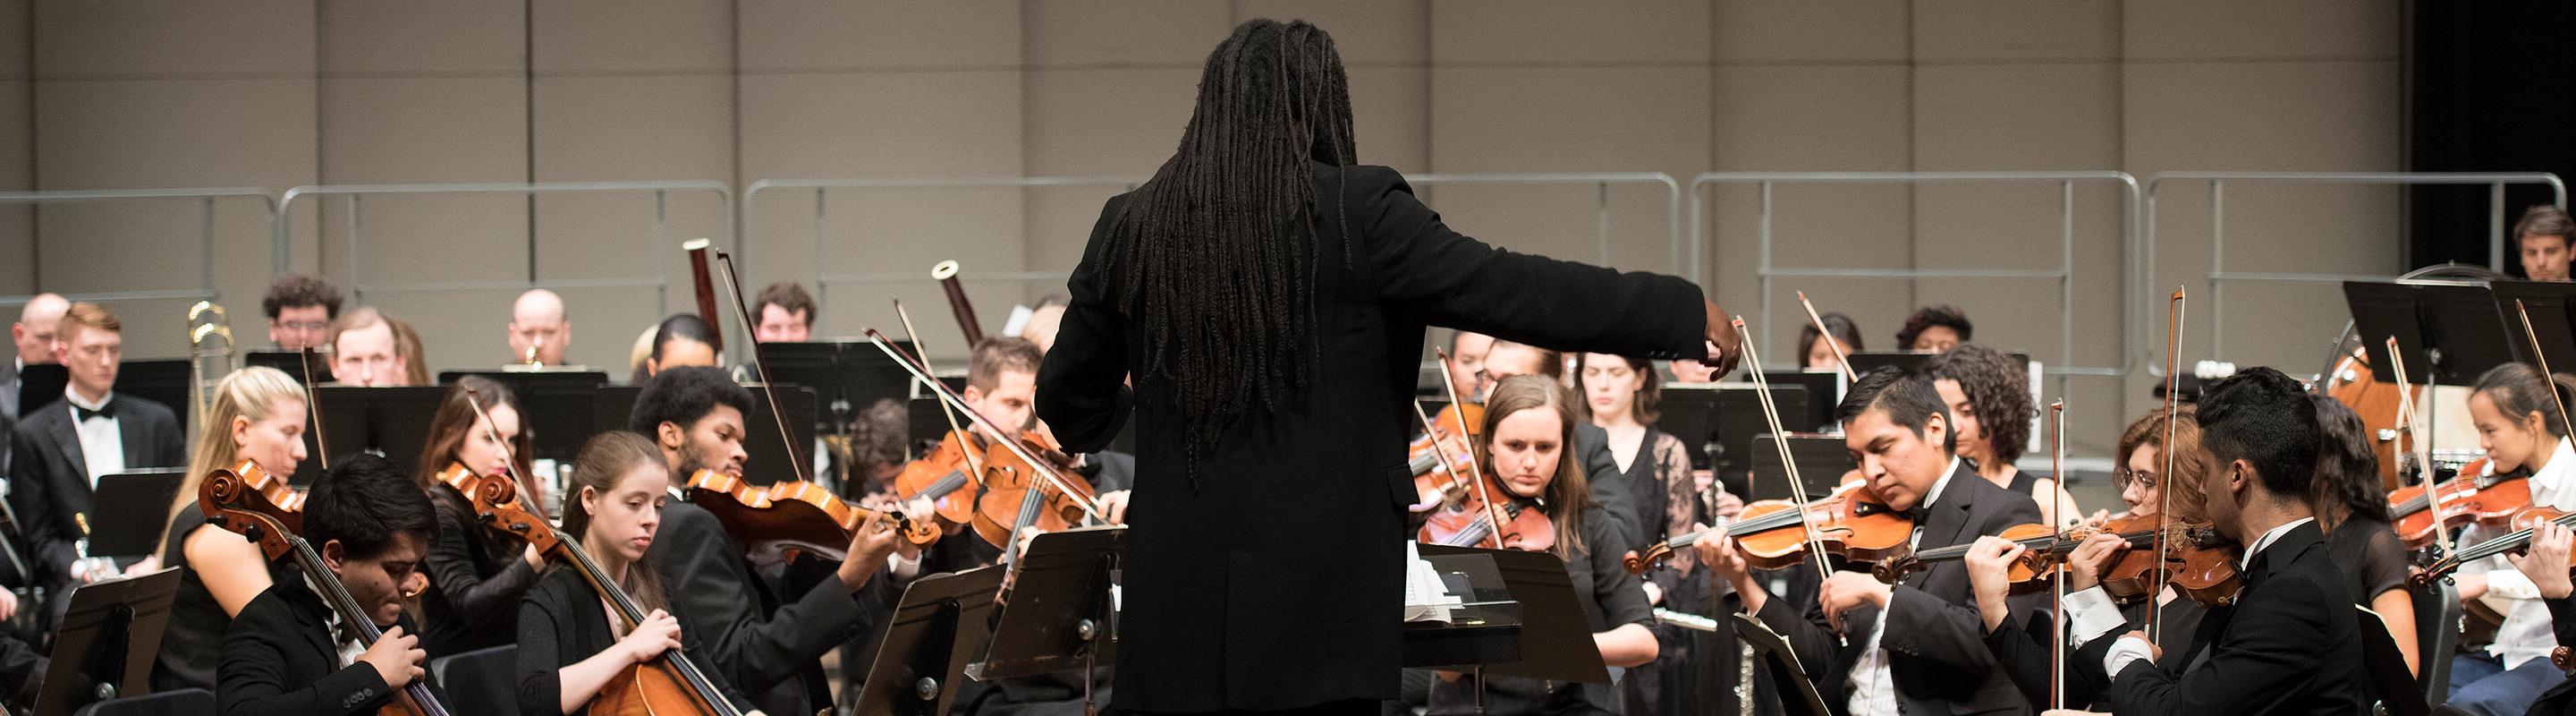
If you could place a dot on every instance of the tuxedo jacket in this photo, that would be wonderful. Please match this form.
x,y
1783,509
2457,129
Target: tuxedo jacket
x,y
2290,644
1937,655
49,478
281,658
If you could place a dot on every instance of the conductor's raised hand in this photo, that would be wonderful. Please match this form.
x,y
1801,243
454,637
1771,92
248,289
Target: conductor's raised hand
x,y
1725,346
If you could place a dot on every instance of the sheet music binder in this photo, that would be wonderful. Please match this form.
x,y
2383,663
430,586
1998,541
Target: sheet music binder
x,y
108,640
932,631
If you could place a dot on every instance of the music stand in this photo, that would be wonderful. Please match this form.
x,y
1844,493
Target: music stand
x,y
393,422
768,457
1824,393
1485,629
1715,423
1822,460
1059,617
160,381
2549,303
1786,673
1863,363
40,385
109,637
291,363
1556,639
2448,333
847,376
933,631
128,511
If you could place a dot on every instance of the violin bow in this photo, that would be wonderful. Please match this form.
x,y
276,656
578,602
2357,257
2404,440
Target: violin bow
x,y
2057,583
973,463
2411,418
313,408
698,249
1475,467
2164,497
510,454
1842,359
1780,438
2546,377
1438,452
1045,471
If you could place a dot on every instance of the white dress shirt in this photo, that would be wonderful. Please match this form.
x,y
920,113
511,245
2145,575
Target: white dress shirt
x,y
1873,685
2526,633
102,442
2130,648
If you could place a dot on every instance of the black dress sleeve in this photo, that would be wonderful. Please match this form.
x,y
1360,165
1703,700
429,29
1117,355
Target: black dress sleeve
x,y
543,613
1621,595
452,566
2384,565
1083,393
1456,281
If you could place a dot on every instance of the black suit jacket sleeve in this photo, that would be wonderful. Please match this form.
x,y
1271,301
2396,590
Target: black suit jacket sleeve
x,y
1084,396
2270,651
2562,619
1946,632
710,592
2022,648
268,668
450,563
1456,281
31,494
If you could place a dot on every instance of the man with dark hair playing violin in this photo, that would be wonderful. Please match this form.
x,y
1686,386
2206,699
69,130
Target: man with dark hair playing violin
x,y
1915,647
284,653
769,647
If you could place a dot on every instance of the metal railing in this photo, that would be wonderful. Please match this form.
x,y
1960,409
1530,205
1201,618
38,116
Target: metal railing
x,y
2063,274
206,198
820,187
2218,273
660,239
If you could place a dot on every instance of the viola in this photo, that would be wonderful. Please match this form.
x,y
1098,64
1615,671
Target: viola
x,y
1017,494
2197,563
2521,524
1439,457
247,500
2473,496
1850,523
777,521
668,684
945,477
1470,523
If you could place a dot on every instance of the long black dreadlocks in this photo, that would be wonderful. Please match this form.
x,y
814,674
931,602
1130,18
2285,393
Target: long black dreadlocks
x,y
1216,251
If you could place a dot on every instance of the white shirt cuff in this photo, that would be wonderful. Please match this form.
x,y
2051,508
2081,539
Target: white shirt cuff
x,y
2091,614
2512,584
2127,649
902,568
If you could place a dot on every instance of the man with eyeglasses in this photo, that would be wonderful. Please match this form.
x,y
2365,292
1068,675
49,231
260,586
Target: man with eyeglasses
x,y
300,309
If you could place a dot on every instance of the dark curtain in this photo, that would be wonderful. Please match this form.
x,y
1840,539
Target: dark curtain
x,y
2493,89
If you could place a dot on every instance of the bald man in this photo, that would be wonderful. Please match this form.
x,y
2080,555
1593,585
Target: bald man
x,y
34,334
537,321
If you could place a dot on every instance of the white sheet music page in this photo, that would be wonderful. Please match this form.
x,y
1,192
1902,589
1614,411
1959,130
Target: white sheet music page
x,y
1426,598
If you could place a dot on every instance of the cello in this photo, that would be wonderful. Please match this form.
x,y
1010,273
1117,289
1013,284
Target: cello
x,y
249,501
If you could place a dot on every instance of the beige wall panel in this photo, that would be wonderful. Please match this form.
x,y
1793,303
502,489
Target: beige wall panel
x,y
810,35
1801,117
629,128
1776,32
447,39
1367,32
892,237
1788,118
2010,30
659,36
2283,116
2044,117
2220,30
407,131
16,37
1121,122
1154,33
174,37
881,124
1533,32
1391,116
171,133
1059,228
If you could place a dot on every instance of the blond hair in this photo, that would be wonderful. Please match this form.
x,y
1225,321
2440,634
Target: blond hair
x,y
250,394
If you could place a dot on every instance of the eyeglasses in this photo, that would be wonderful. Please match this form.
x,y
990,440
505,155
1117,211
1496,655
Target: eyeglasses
x,y
303,325
2125,477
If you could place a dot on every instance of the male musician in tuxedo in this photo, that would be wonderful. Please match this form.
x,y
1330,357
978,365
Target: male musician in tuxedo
x,y
288,653
2542,236
785,312
1918,646
538,328
34,336
59,451
365,352
2286,645
770,647
300,310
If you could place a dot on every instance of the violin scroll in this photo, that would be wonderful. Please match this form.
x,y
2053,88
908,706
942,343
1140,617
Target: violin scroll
x,y
246,500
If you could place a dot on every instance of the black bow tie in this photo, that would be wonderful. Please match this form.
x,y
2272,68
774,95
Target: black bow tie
x,y
83,415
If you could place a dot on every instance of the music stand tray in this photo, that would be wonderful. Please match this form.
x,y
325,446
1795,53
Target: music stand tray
x,y
111,632
933,630
130,509
1556,640
1059,615
1486,629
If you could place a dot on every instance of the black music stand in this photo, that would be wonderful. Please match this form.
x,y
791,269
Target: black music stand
x,y
1822,460
847,376
932,633
1717,423
2552,321
291,363
1863,363
2447,334
160,381
393,422
1060,616
1786,673
129,510
40,385
1824,393
1484,630
1555,639
109,638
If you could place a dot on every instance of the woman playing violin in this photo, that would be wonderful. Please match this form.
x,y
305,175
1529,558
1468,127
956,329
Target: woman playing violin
x,y
1529,424
256,414
570,648
2353,510
2519,427
476,576
1620,394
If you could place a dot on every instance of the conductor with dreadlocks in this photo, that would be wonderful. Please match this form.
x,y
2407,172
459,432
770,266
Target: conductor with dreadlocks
x,y
1269,296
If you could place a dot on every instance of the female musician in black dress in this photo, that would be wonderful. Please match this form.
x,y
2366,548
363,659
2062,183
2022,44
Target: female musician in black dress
x,y
1990,405
1269,296
2353,511
1619,396
570,647
476,575
1529,429
256,414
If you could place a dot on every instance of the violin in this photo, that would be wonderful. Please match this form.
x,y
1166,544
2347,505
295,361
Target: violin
x,y
668,684
943,477
1441,455
776,521
1016,494
2200,571
2519,538
2473,496
1470,523
247,500
1850,523
2197,563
